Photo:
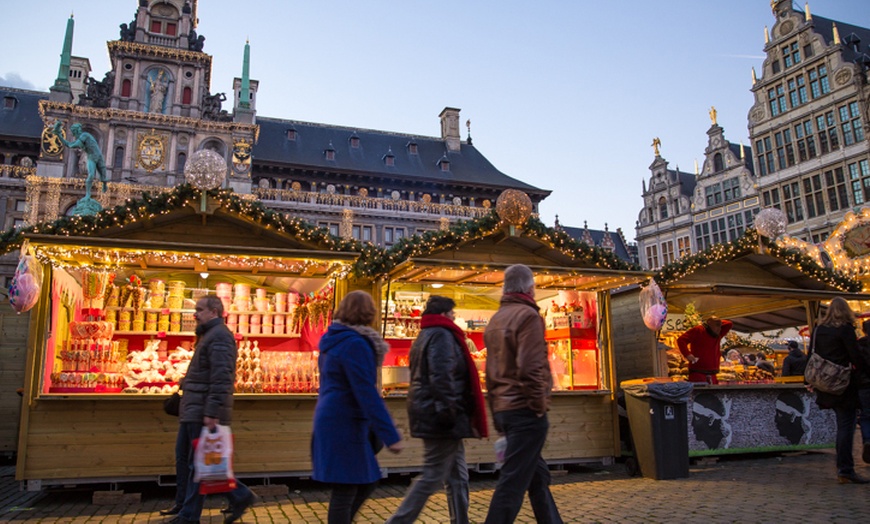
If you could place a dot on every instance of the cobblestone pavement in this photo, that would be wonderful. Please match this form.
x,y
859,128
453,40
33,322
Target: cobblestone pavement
x,y
799,487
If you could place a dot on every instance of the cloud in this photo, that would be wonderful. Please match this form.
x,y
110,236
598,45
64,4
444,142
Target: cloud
x,y
15,80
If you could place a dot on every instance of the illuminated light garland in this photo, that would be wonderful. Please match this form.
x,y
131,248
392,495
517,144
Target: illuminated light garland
x,y
748,243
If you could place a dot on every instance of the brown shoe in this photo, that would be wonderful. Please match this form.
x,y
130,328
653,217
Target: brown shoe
x,y
171,511
853,478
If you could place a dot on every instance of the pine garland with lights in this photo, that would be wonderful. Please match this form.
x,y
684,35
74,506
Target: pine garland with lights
x,y
733,341
749,243
149,206
470,230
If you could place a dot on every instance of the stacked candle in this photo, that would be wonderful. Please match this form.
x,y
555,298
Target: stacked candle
x,y
139,321
256,323
224,291
157,289
244,324
242,297
261,303
233,321
267,324
175,322
280,302
278,322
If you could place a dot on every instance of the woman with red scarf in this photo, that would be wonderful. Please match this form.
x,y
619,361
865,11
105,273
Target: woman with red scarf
x,y
445,405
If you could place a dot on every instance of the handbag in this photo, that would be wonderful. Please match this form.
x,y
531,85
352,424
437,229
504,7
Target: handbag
x,y
172,405
824,375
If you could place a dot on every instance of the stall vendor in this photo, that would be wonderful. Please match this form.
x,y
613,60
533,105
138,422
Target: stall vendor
x,y
700,346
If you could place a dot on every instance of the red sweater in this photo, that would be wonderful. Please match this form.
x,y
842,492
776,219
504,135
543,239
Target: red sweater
x,y
698,342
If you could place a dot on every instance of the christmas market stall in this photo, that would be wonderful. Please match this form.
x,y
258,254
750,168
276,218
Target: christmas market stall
x,y
573,281
763,288
112,332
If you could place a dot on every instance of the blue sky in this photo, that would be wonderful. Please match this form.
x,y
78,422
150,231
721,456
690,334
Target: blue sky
x,y
564,95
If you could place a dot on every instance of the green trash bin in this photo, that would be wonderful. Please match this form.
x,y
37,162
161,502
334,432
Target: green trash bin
x,y
659,426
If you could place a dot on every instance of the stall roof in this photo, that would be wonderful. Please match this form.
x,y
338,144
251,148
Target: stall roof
x,y
480,259
758,288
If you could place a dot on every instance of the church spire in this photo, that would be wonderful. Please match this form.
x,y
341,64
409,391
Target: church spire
x,y
245,97
61,84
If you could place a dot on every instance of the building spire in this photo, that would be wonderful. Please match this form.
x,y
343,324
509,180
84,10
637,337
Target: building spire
x,y
807,16
754,78
697,171
62,81
245,96
766,36
742,152
836,35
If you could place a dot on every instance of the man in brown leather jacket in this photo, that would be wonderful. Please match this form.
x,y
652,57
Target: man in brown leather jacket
x,y
519,382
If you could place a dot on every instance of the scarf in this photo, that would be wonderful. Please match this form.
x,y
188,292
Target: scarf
x,y
379,345
478,414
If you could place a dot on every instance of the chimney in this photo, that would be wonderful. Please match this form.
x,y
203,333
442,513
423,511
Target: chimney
x,y
450,128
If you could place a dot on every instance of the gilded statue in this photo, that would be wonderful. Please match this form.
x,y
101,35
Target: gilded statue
x,y
656,144
713,114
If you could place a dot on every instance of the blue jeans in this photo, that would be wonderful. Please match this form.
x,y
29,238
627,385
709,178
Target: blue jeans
x,y
182,466
524,470
192,508
864,419
443,465
846,419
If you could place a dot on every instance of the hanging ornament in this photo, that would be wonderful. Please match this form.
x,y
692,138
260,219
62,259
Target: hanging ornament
x,y
514,207
205,169
653,306
770,222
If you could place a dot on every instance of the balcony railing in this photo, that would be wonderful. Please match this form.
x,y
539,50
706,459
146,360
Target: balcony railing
x,y
10,171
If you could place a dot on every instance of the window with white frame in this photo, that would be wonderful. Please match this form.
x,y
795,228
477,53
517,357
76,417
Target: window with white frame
x,y
652,257
667,252
684,248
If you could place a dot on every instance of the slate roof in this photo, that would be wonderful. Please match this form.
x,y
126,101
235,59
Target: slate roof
x,y
747,152
619,248
23,120
308,151
849,35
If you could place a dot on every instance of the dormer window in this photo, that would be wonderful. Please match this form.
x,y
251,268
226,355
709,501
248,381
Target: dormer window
x,y
412,148
291,134
330,152
444,163
354,142
9,102
389,159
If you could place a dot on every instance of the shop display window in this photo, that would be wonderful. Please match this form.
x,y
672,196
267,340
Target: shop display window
x,y
132,331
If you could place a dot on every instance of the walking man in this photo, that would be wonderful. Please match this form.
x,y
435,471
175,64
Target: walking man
x,y
519,383
208,401
445,405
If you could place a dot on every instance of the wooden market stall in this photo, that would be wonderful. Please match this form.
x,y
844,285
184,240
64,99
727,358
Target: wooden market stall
x,y
759,286
467,264
13,344
103,352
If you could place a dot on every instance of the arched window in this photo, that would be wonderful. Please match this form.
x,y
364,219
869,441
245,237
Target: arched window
x,y
126,87
182,159
186,96
718,165
118,159
663,208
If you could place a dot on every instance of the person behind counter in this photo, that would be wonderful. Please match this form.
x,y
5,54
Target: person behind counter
x,y
834,339
700,346
350,409
445,405
761,362
795,363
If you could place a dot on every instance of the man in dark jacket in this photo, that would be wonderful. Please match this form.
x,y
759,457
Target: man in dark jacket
x,y
519,383
445,405
862,376
795,363
208,401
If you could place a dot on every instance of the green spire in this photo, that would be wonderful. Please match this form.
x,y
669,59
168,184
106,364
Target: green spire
x,y
62,81
245,96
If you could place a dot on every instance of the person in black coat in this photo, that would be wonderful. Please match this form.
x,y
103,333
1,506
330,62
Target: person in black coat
x,y
862,376
445,405
834,339
795,363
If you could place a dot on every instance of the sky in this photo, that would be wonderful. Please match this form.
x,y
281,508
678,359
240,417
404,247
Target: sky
x,y
564,95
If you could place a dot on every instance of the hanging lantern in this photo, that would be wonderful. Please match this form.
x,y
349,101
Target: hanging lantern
x,y
513,207
205,169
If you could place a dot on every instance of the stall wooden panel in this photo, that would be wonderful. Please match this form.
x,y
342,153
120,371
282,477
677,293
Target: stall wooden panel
x,y
132,438
633,342
13,349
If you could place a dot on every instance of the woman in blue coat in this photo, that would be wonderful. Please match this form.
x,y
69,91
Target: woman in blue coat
x,y
349,408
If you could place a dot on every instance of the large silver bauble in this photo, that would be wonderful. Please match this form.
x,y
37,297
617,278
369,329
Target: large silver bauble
x,y
205,169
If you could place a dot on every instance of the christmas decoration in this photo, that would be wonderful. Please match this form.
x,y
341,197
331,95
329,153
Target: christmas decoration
x,y
770,222
653,306
513,207
205,170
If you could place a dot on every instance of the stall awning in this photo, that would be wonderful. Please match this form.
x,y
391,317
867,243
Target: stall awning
x,y
752,308
113,253
459,272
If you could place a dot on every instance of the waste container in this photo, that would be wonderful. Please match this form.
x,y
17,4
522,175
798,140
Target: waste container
x,y
659,426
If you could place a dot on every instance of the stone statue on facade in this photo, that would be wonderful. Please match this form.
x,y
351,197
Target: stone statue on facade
x,y
194,42
158,92
211,107
96,164
97,93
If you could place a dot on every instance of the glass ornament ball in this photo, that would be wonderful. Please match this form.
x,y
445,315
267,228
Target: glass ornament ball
x,y
205,169
514,207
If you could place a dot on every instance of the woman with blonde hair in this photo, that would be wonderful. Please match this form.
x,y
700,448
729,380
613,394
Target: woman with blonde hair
x,y
834,339
350,409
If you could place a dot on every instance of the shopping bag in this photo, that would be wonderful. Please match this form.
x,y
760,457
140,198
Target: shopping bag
x,y
213,460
